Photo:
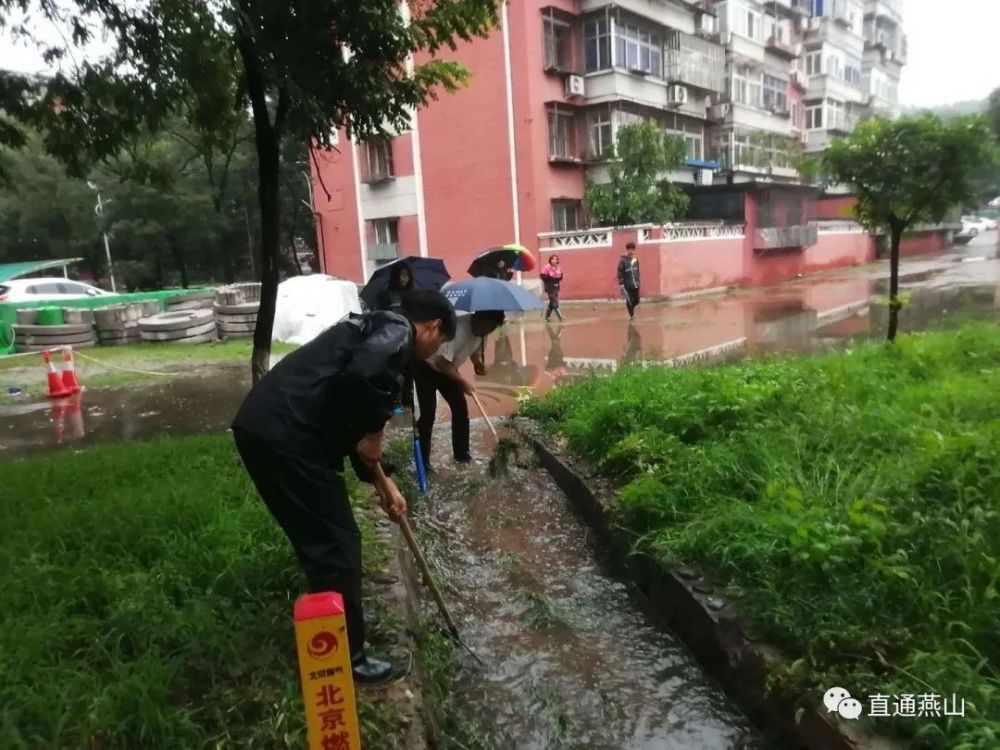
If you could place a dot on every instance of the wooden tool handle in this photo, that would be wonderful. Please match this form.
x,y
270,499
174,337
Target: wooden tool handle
x,y
425,570
482,410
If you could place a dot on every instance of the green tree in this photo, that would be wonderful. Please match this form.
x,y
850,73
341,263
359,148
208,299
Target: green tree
x,y
303,67
908,171
637,192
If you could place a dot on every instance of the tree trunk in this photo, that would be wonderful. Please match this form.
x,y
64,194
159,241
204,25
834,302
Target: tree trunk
x,y
895,240
268,161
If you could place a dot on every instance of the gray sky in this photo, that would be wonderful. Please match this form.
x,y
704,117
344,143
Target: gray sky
x,y
953,51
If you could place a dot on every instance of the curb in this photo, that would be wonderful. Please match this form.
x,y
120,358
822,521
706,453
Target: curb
x,y
689,604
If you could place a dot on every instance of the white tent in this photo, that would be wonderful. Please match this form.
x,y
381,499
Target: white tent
x,y
308,305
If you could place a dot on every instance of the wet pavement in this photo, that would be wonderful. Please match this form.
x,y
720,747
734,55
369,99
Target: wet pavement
x,y
814,314
570,660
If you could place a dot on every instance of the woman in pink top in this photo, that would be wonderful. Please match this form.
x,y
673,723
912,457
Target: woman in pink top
x,y
552,275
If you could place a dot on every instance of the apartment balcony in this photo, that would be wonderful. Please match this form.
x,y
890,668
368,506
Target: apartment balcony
x,y
679,15
827,86
889,9
841,124
782,49
695,62
789,8
383,251
614,85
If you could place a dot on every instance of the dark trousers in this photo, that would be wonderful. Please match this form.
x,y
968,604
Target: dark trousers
x,y
553,304
631,300
309,501
430,382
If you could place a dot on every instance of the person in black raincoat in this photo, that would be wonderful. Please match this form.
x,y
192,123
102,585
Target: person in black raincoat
x,y
400,282
329,400
628,278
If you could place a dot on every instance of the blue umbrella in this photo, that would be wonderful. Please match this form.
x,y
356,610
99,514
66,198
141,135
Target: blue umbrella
x,y
428,273
482,293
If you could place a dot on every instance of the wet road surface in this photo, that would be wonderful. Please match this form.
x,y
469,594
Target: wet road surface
x,y
813,314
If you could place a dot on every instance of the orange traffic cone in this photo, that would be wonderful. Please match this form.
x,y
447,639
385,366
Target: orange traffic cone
x,y
69,379
56,387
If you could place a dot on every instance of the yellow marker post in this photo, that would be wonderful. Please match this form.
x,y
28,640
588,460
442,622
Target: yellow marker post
x,y
325,670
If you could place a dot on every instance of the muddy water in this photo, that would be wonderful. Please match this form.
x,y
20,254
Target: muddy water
x,y
815,314
571,661
179,406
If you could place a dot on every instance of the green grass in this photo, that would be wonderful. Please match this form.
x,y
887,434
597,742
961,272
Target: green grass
x,y
852,503
165,354
147,600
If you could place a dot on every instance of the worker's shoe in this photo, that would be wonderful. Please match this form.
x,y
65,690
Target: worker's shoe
x,y
369,671
463,458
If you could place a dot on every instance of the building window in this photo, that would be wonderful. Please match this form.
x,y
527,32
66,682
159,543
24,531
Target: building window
x,y
692,134
775,93
743,18
565,215
600,133
596,45
557,44
638,50
746,87
562,141
814,117
379,160
385,240
814,64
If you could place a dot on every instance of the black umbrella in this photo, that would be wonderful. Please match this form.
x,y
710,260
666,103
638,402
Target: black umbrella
x,y
428,273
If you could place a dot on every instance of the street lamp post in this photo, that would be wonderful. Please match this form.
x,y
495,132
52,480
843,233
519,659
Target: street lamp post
x,y
99,212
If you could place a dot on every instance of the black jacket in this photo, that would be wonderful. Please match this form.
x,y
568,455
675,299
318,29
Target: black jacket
x,y
321,399
628,273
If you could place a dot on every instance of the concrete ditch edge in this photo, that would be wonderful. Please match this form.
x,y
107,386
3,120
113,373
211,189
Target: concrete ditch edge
x,y
712,632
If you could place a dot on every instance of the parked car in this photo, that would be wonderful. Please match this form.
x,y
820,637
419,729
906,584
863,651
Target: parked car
x,y
34,290
980,222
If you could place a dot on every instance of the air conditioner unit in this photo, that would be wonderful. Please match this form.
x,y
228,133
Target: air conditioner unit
x,y
574,86
677,95
719,111
703,177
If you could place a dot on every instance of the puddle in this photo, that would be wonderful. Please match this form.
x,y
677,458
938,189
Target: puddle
x,y
810,315
570,660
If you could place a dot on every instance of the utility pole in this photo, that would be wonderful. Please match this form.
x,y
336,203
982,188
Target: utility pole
x,y
99,212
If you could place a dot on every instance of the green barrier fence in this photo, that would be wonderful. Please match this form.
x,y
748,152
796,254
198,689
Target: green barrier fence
x,y
8,310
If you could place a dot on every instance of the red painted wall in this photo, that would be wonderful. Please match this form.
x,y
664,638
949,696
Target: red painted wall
x,y
701,264
335,203
836,207
924,243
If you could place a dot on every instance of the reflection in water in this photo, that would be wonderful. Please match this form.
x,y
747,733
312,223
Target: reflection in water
x,y
810,316
633,344
571,662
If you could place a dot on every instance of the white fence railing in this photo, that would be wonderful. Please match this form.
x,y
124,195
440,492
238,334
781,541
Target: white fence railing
x,y
679,232
593,238
839,227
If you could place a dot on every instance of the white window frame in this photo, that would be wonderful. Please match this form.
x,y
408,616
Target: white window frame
x,y
814,117
557,49
602,43
562,209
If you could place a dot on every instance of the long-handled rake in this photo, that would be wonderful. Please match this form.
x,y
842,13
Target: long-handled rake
x,y
425,571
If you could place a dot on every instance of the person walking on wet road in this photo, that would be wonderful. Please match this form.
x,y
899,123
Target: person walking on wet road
x,y
552,275
440,374
628,278
329,400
